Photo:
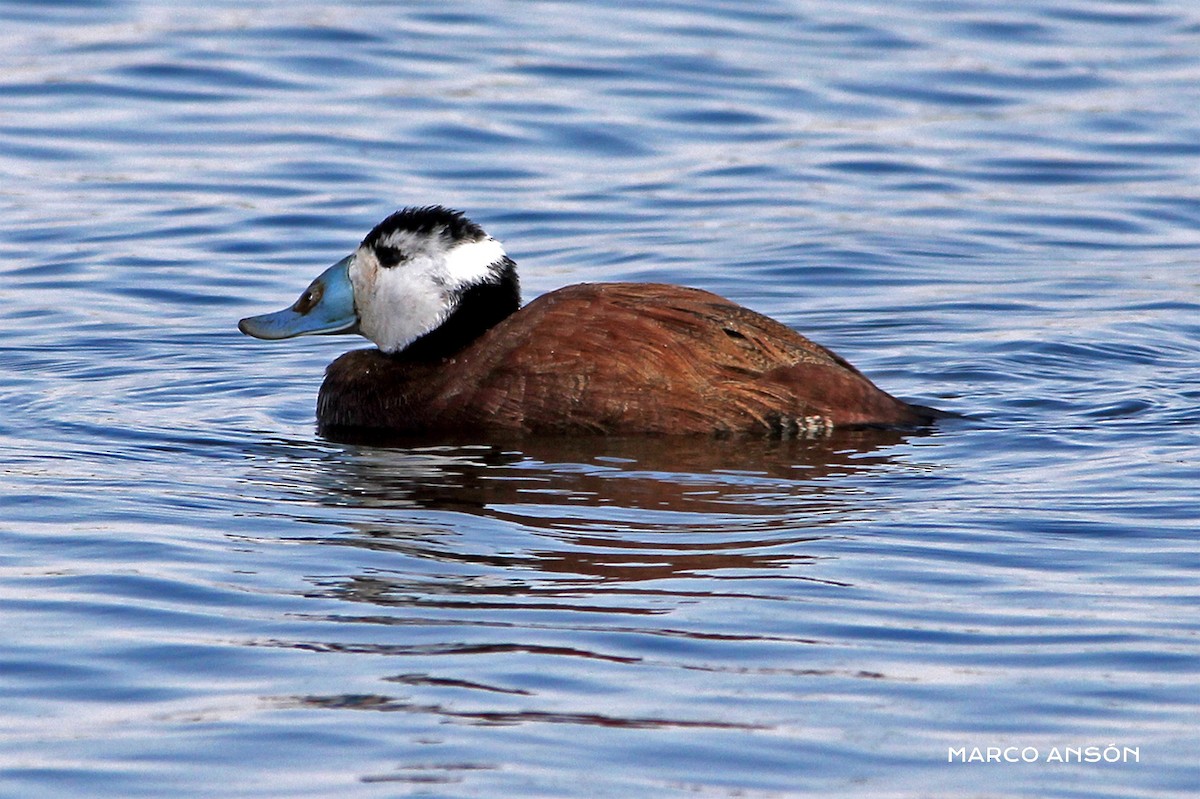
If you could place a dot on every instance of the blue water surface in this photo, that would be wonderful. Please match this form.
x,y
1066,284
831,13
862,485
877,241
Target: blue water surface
x,y
991,208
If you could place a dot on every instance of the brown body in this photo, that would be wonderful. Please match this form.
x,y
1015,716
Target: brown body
x,y
615,358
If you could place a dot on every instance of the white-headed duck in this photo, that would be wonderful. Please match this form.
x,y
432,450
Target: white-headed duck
x,y
458,354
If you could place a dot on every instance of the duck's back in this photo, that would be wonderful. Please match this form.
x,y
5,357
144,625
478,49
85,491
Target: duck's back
x,y
616,358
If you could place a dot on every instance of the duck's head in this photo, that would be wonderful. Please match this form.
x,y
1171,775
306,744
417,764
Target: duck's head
x,y
424,280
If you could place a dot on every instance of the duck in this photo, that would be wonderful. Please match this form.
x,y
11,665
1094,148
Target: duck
x,y
456,353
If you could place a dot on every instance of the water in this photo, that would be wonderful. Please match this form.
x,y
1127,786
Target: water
x,y
992,209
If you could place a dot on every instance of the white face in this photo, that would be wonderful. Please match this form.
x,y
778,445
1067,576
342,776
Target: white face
x,y
399,304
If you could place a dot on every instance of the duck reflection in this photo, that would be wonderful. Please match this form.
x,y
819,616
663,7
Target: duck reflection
x,y
488,576
548,519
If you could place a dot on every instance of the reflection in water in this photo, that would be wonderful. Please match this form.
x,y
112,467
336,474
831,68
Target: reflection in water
x,y
388,704
613,561
697,475
611,525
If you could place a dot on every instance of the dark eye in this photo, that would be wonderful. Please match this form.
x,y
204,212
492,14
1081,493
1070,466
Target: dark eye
x,y
310,297
390,256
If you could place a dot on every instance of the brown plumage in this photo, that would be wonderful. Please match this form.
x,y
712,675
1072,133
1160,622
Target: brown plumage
x,y
614,358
